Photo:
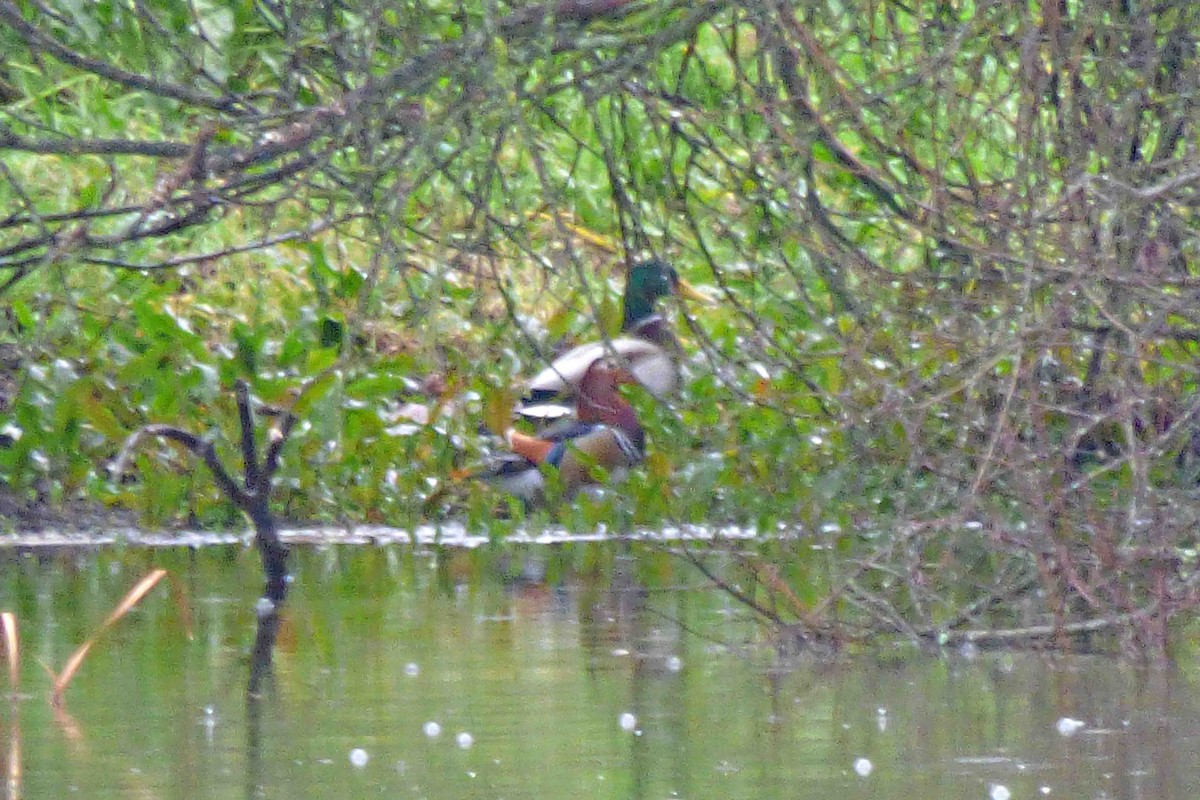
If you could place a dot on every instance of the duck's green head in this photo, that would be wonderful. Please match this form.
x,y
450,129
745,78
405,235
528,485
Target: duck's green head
x,y
647,282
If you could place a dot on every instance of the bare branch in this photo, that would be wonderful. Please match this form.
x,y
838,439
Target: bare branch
x,y
200,447
40,42
248,439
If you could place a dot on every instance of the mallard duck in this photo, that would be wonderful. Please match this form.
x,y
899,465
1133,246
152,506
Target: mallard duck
x,y
647,346
605,441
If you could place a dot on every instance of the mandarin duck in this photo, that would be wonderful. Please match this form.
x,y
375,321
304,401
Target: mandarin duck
x,y
606,440
647,346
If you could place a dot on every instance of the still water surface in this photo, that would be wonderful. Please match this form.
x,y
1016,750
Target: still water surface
x,y
442,680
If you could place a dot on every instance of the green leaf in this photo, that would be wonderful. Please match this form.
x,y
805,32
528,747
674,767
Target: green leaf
x,y
319,271
350,282
295,345
320,360
89,195
249,345
375,386
24,315
333,332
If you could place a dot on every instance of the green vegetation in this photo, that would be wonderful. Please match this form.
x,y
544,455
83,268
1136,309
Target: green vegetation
x,y
953,246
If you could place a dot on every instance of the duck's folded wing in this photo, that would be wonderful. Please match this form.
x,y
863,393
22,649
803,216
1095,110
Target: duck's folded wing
x,y
653,367
609,448
567,429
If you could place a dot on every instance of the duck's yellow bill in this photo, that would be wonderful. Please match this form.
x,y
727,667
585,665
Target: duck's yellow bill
x,y
692,293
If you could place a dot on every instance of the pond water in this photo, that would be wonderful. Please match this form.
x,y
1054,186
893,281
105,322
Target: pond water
x,y
483,674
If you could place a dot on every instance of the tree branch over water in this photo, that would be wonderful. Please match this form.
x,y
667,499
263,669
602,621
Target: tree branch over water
x,y
281,143
253,496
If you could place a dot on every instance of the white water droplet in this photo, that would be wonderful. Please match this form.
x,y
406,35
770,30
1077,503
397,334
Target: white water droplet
x,y
411,669
464,740
359,757
1044,789
432,730
263,607
1069,727
209,721
998,791
628,721
674,664
863,767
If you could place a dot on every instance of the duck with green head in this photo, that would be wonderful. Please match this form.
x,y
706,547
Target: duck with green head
x,y
647,345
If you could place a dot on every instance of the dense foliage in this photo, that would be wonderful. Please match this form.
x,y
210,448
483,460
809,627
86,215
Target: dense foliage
x,y
953,246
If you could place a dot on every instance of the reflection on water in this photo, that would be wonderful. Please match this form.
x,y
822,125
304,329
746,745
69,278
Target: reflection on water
x,y
448,534
405,675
